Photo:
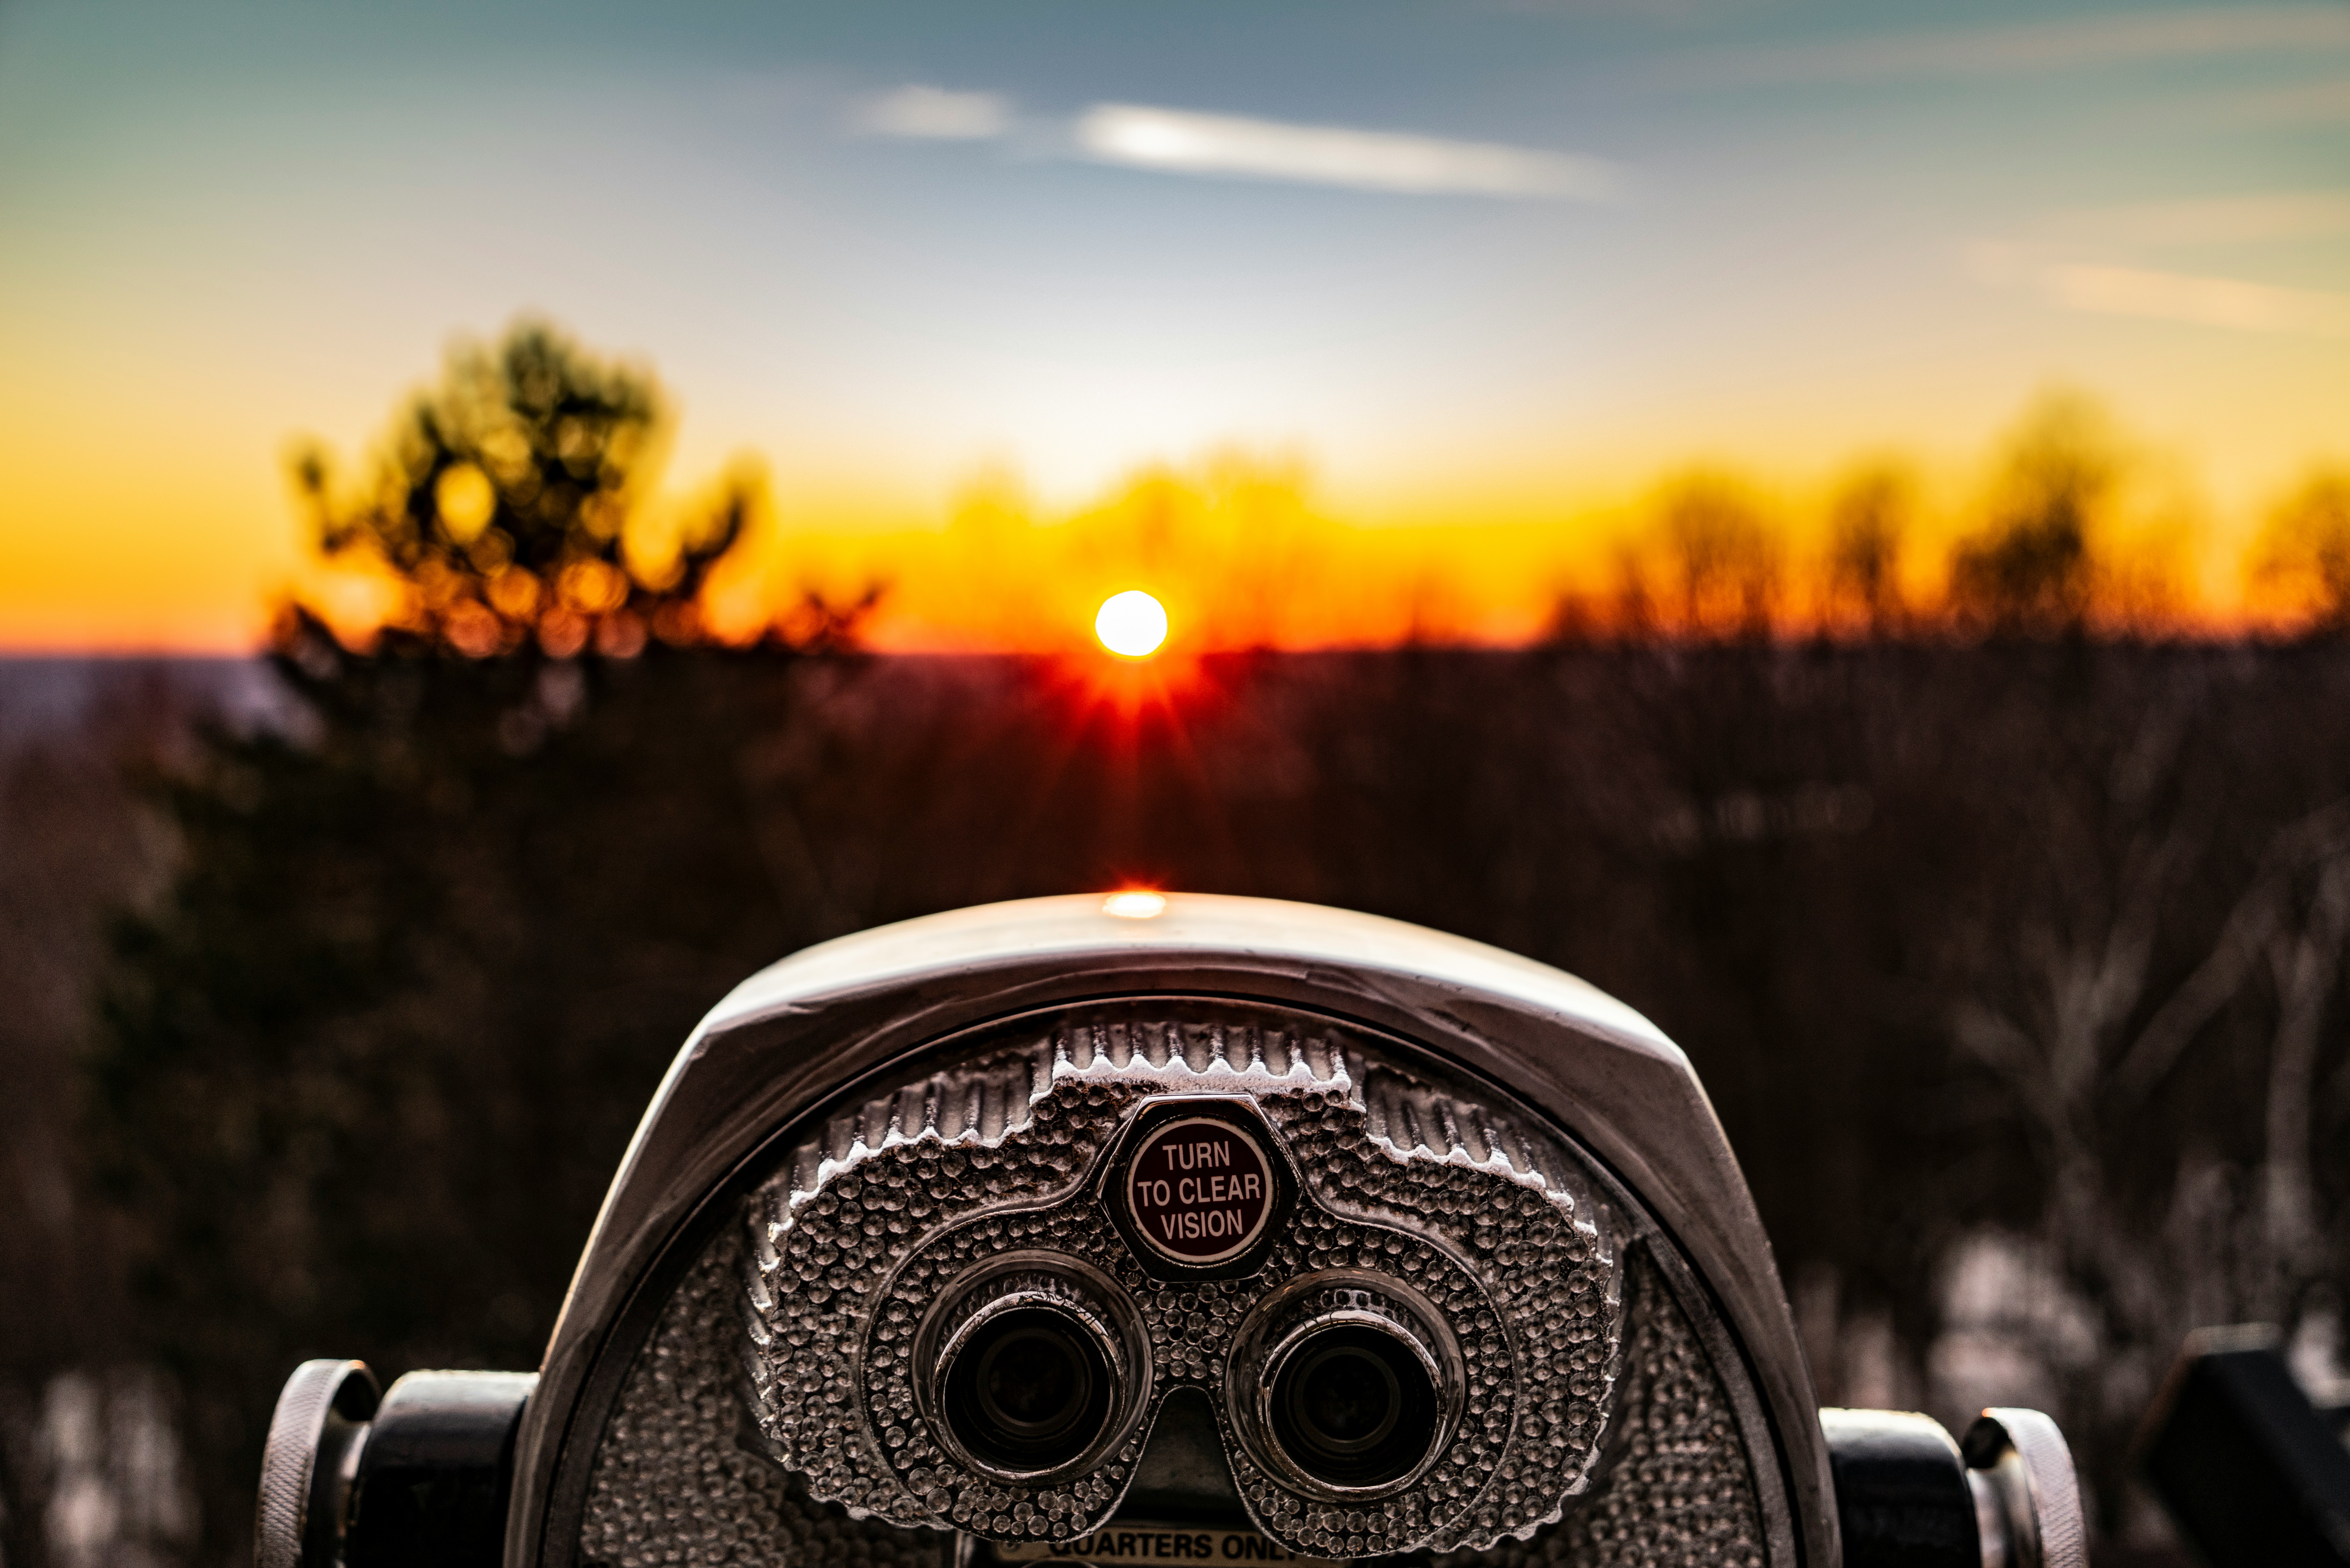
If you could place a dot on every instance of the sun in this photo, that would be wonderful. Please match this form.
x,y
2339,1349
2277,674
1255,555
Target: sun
x,y
1131,625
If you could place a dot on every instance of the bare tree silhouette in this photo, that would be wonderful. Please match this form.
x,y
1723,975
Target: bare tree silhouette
x,y
2303,557
2031,570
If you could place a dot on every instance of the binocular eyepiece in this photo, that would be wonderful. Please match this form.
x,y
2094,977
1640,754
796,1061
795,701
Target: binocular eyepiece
x,y
1028,1364
1231,1231
1347,1390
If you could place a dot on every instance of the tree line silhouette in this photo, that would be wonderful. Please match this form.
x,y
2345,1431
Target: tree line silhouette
x,y
2070,530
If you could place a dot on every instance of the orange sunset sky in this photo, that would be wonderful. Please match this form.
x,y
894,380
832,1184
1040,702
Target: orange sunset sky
x,y
1334,323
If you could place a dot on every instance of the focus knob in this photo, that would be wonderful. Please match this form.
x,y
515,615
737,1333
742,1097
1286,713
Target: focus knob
x,y
2028,1498
309,1462
349,1480
1909,1497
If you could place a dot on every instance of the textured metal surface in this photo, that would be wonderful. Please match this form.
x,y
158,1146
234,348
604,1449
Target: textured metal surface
x,y
319,1394
789,1042
1539,1363
1455,1200
1674,1490
681,1479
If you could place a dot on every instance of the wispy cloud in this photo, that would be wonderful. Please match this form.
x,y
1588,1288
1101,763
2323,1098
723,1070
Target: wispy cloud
x,y
2100,288
921,113
1185,142
1181,142
2072,43
2201,301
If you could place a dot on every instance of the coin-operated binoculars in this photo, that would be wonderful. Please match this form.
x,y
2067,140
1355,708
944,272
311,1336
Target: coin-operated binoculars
x,y
1161,1229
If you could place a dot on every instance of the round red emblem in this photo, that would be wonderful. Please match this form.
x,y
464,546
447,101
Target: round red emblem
x,y
1199,1190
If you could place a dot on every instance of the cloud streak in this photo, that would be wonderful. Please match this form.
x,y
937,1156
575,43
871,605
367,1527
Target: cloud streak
x,y
1185,142
2194,299
2224,302
1181,142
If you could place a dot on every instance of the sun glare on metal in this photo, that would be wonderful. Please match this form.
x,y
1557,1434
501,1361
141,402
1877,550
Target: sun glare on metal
x,y
1134,905
1131,625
